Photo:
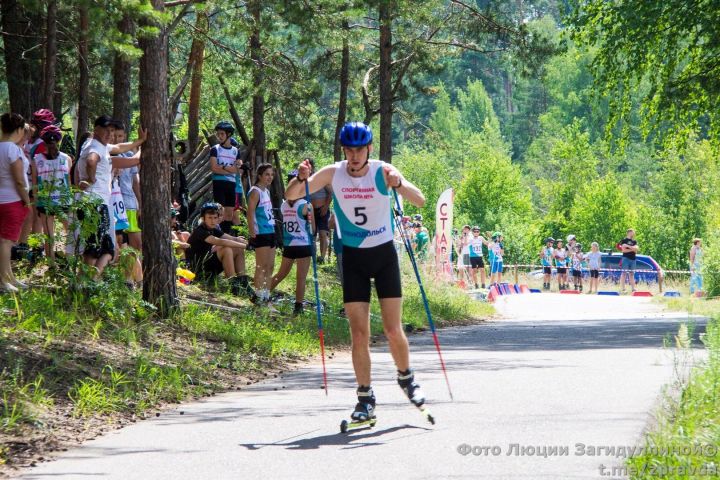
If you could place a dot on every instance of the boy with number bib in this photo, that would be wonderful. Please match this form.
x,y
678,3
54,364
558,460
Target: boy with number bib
x,y
361,195
297,218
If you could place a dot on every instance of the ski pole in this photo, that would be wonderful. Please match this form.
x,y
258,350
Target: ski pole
x,y
317,289
408,248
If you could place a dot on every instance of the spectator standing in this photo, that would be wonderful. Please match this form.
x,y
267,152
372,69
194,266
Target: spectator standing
x,y
594,259
629,248
696,263
261,229
546,259
476,256
225,163
561,262
321,201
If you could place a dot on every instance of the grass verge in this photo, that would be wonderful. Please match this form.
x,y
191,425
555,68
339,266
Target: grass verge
x,y
685,444
76,364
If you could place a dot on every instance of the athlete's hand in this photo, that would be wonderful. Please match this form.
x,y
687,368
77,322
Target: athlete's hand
x,y
394,179
304,170
142,134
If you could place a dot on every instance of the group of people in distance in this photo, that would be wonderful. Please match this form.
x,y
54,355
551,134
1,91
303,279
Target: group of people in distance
x,y
570,255
35,188
470,258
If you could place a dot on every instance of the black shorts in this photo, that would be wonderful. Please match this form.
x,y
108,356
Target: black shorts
x,y
208,266
547,270
477,262
263,240
224,192
359,265
296,252
594,273
576,273
323,221
101,243
561,270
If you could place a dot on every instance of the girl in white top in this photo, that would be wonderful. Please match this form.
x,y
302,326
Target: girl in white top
x,y
51,177
297,221
261,229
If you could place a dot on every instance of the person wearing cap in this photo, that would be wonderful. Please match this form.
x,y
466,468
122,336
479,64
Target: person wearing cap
x,y
94,173
571,244
178,234
476,256
629,248
561,262
546,259
420,241
51,181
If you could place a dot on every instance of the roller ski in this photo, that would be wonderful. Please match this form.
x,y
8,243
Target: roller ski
x,y
407,382
364,414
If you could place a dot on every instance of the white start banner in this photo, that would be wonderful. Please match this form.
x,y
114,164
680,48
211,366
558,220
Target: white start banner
x,y
443,234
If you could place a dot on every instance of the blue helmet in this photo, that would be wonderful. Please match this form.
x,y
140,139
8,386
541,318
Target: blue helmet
x,y
210,207
355,134
226,127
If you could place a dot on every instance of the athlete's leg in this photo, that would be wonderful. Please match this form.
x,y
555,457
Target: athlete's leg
x,y
285,267
239,260
391,309
358,314
303,265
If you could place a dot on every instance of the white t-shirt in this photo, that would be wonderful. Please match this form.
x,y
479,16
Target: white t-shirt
x,y
9,154
103,172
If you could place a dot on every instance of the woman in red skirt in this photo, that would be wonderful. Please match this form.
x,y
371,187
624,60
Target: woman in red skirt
x,y
14,197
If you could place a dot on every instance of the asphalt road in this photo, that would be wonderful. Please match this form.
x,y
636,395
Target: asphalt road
x,y
557,371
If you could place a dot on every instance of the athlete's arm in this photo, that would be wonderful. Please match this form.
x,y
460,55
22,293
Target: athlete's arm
x,y
126,162
90,169
394,179
253,201
225,242
126,147
296,187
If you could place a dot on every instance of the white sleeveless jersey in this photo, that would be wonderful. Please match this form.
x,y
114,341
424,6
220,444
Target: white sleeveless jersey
x,y
295,225
103,171
362,206
264,219
225,157
117,205
53,175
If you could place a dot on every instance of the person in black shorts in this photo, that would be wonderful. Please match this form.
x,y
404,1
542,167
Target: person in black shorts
x,y
213,251
261,229
297,216
362,188
225,164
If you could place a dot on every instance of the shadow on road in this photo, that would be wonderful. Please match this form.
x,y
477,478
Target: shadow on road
x,y
345,440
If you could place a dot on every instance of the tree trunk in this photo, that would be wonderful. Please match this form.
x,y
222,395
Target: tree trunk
x,y
23,63
234,114
385,79
155,182
197,56
50,56
84,80
122,75
344,80
258,94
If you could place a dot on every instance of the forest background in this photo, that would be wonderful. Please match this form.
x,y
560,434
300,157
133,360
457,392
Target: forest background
x,y
546,117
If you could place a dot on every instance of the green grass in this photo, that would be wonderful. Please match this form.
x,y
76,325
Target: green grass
x,y
101,350
686,441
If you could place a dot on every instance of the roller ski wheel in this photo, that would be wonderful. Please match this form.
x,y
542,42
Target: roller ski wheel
x,y
427,414
346,426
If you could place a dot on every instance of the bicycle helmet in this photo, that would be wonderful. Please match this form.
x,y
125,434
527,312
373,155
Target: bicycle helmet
x,y
210,207
225,127
417,217
355,134
291,175
549,240
42,117
51,133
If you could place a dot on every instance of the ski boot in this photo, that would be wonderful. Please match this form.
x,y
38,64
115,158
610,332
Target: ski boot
x,y
407,382
364,413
